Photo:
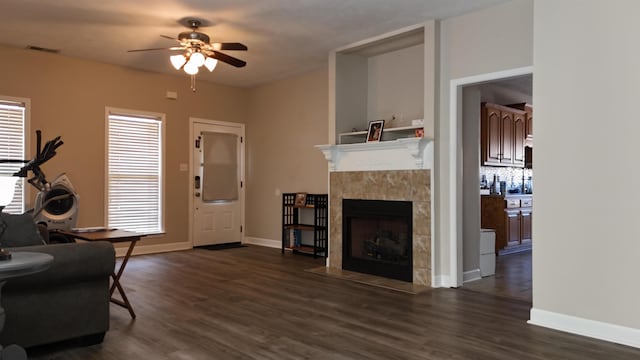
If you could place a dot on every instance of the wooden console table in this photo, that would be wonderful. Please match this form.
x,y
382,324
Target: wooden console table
x,y
113,236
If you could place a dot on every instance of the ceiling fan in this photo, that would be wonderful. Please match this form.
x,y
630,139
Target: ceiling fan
x,y
197,50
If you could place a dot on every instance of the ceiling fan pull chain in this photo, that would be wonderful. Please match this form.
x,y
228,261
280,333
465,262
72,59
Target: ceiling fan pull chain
x,y
193,83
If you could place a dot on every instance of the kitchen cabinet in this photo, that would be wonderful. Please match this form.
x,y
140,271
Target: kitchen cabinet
x,y
510,218
513,226
519,136
528,127
502,135
525,225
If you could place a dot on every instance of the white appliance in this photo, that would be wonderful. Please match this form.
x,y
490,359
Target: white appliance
x,y
57,207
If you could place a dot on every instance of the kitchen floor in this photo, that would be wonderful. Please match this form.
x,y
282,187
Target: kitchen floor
x,y
512,278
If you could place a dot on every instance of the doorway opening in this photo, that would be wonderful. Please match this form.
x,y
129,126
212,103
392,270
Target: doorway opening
x,y
512,275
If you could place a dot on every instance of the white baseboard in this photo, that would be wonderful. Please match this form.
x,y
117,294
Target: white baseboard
x,y
141,249
472,275
263,242
585,327
441,281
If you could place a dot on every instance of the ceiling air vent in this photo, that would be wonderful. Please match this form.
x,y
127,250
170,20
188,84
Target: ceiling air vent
x,y
38,48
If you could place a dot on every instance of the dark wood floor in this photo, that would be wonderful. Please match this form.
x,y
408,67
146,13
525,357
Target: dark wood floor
x,y
254,303
512,278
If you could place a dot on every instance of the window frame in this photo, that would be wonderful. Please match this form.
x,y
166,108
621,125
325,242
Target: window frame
x,y
26,102
148,116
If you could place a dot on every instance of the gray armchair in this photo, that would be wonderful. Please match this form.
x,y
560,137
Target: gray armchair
x,y
13,352
69,300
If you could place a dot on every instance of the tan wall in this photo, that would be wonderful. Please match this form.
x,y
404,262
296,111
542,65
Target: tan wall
x,y
585,256
400,92
286,119
68,98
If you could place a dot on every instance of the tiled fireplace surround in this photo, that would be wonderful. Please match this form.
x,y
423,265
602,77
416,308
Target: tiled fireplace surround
x,y
400,171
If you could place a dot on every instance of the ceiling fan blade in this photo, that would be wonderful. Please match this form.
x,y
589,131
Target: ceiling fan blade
x,y
154,49
229,46
228,59
169,37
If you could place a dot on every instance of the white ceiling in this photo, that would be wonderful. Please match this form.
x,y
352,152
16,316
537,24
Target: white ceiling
x,y
284,37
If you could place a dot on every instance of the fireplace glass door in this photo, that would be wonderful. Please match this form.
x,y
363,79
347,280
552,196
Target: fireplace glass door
x,y
377,238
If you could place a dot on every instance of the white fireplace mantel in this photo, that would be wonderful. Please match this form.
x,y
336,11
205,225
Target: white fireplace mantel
x,y
400,154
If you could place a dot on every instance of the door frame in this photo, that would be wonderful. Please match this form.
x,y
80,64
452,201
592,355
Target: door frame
x,y
455,219
191,186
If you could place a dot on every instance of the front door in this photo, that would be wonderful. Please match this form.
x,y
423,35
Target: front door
x,y
217,182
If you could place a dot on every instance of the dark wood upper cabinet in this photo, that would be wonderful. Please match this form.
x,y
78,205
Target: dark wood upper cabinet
x,y
506,148
519,135
492,134
503,135
528,129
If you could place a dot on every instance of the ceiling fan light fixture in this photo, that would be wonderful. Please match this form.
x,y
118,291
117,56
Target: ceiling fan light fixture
x,y
210,63
198,50
178,61
197,59
190,68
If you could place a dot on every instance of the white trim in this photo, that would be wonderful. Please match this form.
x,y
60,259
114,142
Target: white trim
x,y
441,281
471,275
276,244
400,154
366,42
455,173
154,249
585,327
186,245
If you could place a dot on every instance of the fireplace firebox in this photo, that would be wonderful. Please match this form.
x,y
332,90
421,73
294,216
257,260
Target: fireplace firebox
x,y
377,238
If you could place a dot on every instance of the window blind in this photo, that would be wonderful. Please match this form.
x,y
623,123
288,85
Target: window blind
x,y
134,190
12,146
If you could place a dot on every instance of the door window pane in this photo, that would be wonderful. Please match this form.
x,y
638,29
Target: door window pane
x,y
220,167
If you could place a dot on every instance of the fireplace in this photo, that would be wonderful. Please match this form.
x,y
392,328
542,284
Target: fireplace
x,y
388,171
378,238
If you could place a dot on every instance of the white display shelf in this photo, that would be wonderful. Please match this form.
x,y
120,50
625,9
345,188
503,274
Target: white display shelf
x,y
387,134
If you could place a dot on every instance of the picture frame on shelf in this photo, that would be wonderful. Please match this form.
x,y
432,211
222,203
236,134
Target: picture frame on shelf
x,y
374,134
301,200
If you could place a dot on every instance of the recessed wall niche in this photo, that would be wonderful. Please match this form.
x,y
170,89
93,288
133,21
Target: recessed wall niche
x,y
384,78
